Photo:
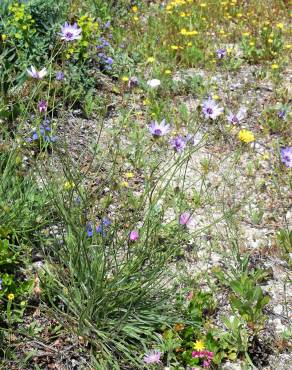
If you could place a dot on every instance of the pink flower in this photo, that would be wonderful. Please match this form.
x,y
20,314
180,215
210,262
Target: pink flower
x,y
134,235
42,106
153,357
184,218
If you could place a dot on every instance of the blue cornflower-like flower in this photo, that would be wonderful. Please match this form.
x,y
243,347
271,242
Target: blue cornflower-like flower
x,y
282,114
60,76
109,60
100,229
106,222
286,156
89,230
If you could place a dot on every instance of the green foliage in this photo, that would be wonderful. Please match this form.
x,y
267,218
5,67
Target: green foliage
x,y
284,241
22,203
247,297
110,291
15,287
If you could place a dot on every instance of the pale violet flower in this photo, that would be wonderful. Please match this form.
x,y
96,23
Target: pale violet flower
x,y
38,75
70,32
159,129
211,109
178,143
286,156
153,83
152,357
236,118
221,53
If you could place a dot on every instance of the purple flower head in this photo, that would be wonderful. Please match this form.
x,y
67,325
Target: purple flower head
x,y
107,24
100,228
178,143
184,218
89,230
286,156
60,76
134,235
221,53
38,75
236,118
35,136
109,60
0,284
133,82
70,32
106,222
282,114
43,106
159,129
152,357
211,109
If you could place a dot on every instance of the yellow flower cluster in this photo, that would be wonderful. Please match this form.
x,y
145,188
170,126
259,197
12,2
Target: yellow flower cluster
x,y
20,21
89,28
185,32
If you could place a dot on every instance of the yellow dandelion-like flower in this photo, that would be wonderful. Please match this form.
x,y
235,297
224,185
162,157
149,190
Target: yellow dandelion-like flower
x,y
280,26
167,72
215,97
203,5
136,18
4,37
183,31
245,34
125,78
190,44
174,47
192,33
275,66
129,175
135,9
251,43
150,60
10,297
199,345
246,136
68,185
287,46
124,184
266,156
270,41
